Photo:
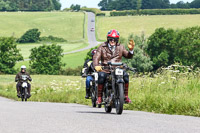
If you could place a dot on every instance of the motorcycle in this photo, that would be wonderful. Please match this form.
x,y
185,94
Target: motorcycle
x,y
113,92
24,88
93,88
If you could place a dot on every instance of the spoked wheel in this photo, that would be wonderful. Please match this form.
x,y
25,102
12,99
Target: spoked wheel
x,y
108,109
119,101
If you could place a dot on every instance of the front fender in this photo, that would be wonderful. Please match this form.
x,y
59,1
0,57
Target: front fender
x,y
121,80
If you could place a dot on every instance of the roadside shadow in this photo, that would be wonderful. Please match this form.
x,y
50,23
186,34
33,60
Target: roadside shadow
x,y
92,112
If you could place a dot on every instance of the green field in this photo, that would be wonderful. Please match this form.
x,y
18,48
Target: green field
x,y
59,24
67,47
170,93
147,24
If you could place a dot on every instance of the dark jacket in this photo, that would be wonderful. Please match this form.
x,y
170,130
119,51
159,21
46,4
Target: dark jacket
x,y
18,77
89,67
104,54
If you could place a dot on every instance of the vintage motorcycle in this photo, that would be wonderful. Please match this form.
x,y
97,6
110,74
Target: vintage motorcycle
x,y
113,92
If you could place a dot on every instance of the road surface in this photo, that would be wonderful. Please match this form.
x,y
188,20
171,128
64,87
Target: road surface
x,y
40,117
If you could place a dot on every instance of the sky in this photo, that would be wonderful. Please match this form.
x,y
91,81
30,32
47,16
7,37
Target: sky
x,y
94,3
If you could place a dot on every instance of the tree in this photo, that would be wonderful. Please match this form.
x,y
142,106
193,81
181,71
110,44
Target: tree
x,y
161,47
46,59
9,55
4,5
195,4
75,7
188,46
32,35
141,61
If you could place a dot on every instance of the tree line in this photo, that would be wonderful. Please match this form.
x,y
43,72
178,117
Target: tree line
x,y
144,4
29,5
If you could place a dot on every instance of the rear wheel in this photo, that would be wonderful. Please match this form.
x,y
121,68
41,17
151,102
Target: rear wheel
x,y
119,101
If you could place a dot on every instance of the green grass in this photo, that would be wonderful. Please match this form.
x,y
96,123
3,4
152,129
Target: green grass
x,y
71,60
74,60
25,48
147,24
169,93
67,25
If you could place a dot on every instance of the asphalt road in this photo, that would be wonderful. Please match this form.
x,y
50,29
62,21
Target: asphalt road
x,y
90,33
39,117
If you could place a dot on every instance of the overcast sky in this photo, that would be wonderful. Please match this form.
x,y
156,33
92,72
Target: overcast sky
x,y
94,3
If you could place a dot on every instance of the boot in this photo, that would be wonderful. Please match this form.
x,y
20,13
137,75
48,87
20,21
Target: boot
x,y
127,100
100,88
87,93
18,92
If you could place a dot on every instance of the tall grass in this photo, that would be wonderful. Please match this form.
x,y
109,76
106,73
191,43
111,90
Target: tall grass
x,y
168,92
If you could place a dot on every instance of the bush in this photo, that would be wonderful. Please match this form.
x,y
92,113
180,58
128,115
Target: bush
x,y
141,61
46,59
100,14
31,36
89,55
166,47
9,55
72,71
155,12
52,39
94,10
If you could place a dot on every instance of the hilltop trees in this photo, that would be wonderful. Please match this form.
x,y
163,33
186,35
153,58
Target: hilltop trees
x,y
144,4
29,5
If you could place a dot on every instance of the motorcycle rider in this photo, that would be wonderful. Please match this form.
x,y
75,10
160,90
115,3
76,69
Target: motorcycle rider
x,y
18,79
112,51
88,68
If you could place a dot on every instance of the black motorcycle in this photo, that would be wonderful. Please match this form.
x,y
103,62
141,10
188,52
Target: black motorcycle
x,y
113,92
24,88
93,88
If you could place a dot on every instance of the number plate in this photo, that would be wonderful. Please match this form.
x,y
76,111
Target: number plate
x,y
24,85
118,72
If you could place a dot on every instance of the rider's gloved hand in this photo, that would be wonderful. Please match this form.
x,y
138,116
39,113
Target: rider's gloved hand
x,y
98,68
131,45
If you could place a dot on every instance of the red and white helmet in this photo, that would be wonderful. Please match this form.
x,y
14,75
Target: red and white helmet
x,y
113,34
93,52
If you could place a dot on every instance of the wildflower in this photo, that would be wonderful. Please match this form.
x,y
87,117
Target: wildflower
x,y
173,78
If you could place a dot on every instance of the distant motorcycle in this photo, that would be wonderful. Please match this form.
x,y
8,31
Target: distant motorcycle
x,y
113,92
24,88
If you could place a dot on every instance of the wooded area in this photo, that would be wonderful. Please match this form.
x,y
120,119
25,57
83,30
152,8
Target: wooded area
x,y
29,5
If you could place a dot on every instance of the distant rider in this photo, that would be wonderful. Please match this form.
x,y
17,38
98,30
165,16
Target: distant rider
x,y
88,69
111,51
18,79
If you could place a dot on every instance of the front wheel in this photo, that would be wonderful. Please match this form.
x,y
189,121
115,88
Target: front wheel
x,y
108,109
119,101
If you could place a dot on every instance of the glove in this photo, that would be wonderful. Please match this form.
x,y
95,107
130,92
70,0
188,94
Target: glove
x,y
98,68
131,45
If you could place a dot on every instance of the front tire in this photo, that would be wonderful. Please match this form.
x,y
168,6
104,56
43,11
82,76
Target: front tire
x,y
108,109
119,101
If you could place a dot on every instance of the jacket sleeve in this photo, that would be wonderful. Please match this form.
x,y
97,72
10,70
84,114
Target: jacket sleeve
x,y
30,79
17,78
126,53
97,57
